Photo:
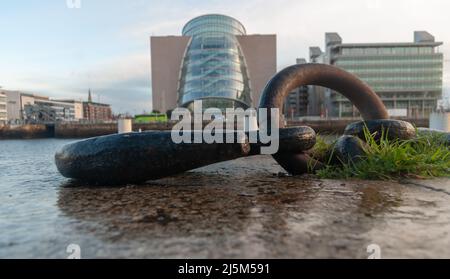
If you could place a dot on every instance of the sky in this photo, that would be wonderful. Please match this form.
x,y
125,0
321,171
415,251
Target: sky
x,y
51,48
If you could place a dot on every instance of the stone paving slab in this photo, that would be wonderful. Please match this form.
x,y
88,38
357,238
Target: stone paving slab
x,y
245,209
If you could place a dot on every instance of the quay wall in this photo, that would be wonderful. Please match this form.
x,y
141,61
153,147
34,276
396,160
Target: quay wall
x,y
28,131
83,130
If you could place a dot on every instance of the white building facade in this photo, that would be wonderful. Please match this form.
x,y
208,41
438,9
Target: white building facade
x,y
29,107
3,108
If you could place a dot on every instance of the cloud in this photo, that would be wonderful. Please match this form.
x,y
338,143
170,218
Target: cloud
x,y
298,25
121,68
124,82
145,29
301,24
123,78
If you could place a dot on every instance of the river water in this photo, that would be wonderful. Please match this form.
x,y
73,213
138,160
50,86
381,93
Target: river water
x,y
237,209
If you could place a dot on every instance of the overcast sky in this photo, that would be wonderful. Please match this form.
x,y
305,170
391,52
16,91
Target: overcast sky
x,y
48,48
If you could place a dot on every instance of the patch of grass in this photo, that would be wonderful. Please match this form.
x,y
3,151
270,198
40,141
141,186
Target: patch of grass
x,y
322,148
423,157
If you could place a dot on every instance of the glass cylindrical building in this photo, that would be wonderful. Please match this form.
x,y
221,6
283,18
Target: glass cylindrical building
x,y
214,69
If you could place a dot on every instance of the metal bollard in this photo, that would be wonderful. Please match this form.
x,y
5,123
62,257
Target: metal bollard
x,y
125,125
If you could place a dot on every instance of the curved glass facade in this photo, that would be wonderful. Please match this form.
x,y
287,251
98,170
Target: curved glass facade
x,y
213,68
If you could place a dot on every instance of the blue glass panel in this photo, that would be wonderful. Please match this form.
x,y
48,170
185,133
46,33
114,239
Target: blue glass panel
x,y
214,67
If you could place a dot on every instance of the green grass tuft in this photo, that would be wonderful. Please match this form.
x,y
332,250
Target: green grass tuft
x,y
424,157
322,148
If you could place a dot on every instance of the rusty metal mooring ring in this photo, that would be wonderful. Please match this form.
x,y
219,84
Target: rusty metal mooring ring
x,y
359,93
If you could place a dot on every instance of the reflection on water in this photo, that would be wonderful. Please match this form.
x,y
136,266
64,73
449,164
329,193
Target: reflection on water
x,y
237,209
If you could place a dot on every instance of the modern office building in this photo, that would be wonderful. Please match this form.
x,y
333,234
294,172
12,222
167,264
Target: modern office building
x,y
13,105
18,102
34,108
215,61
46,110
77,107
318,103
296,103
3,107
444,105
407,76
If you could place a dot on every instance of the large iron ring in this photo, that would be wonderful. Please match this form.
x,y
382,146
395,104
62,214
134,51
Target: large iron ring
x,y
359,93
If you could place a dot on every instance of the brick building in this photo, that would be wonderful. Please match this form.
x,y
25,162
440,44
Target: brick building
x,y
96,111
